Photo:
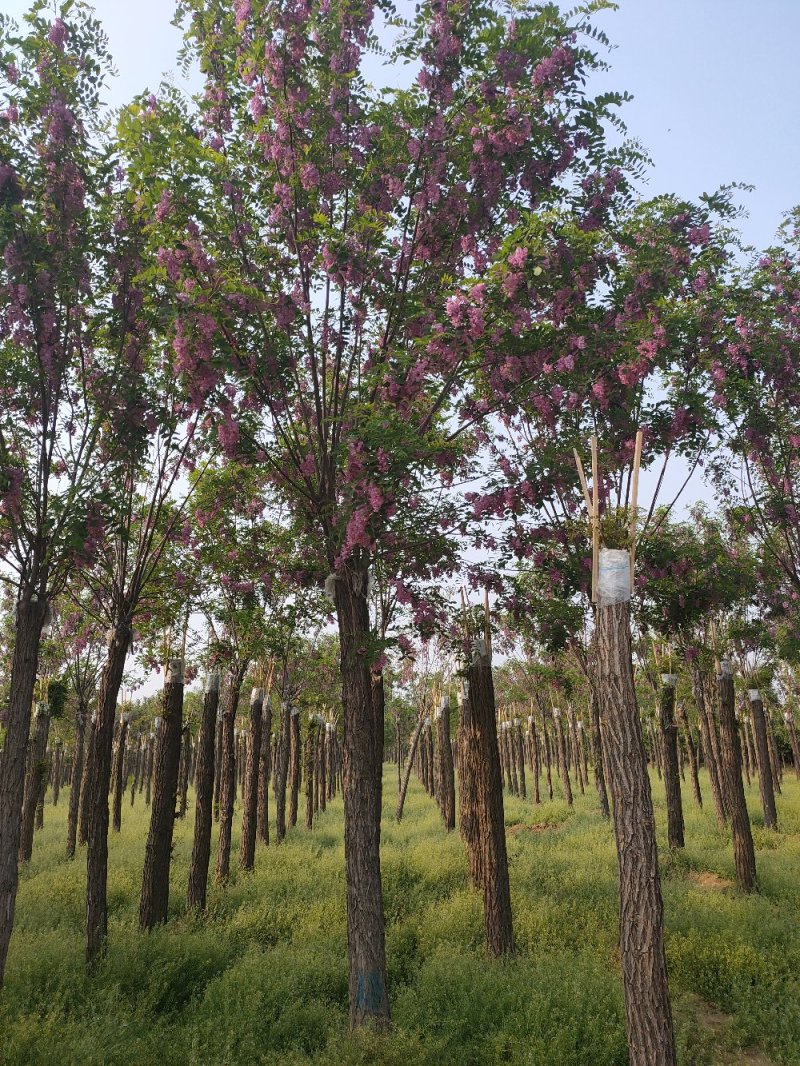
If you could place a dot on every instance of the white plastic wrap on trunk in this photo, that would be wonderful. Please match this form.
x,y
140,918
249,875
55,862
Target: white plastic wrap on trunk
x,y
613,577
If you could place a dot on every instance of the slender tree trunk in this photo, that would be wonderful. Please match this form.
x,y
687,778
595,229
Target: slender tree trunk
x,y
83,808
158,851
102,738
27,637
57,771
228,772
519,751
324,757
651,1040
37,768
672,777
218,769
447,783
597,754
710,743
765,777
547,757
791,729
535,764
309,752
148,777
369,1002
295,752
118,774
469,757
691,747
412,751
576,752
247,844
731,752
775,762
77,777
183,773
561,749
282,760
137,769
491,819
204,797
264,771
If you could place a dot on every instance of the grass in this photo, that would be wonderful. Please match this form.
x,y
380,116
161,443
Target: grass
x,y
262,977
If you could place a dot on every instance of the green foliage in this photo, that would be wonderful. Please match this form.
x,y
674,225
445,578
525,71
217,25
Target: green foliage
x,y
57,691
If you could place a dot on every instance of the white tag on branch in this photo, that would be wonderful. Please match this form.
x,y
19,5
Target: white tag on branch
x,y
613,577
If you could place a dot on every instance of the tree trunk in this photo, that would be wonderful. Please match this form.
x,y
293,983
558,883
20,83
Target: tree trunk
x,y
37,768
379,708
597,754
691,747
295,752
791,729
218,769
57,771
247,844
282,770
27,637
651,1040
102,739
204,797
118,775
672,774
83,808
765,778
264,771
309,752
710,743
535,767
227,773
183,773
412,751
158,851
491,819
731,753
77,777
444,749
561,749
469,756
369,1002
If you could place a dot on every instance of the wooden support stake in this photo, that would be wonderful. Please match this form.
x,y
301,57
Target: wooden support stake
x,y
584,486
634,519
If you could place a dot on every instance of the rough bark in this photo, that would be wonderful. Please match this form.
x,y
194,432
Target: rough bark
x,y
102,738
491,820
468,761
597,755
672,774
691,748
379,710
309,752
227,773
154,900
183,773
264,771
651,1039
282,770
295,759
710,743
791,729
57,771
118,774
204,796
731,755
27,637
766,784
36,770
446,773
561,750
369,1001
218,769
247,843
77,777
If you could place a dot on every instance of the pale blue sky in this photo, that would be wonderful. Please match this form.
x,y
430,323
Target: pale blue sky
x,y
714,82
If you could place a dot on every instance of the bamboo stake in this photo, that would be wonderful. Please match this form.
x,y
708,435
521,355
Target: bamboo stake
x,y
584,485
634,520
